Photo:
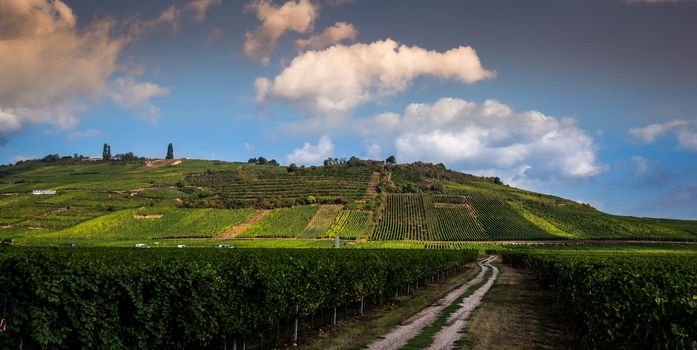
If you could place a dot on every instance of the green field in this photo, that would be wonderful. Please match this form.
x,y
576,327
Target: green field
x,y
96,202
152,223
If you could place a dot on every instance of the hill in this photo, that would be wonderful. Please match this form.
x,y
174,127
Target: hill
x,y
121,202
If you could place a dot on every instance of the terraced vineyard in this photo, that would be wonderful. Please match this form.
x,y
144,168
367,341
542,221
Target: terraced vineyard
x,y
456,220
350,224
501,221
453,218
321,222
588,223
153,223
406,217
282,222
349,183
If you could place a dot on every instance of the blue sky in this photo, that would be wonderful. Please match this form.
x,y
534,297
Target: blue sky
x,y
589,100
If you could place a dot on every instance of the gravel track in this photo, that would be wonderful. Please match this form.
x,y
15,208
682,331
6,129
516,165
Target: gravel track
x,y
452,331
400,335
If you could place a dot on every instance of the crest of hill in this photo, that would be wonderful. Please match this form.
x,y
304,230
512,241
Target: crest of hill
x,y
371,199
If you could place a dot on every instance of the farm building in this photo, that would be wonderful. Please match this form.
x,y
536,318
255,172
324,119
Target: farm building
x,y
39,192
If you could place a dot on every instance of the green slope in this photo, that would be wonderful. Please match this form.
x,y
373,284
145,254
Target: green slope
x,y
100,200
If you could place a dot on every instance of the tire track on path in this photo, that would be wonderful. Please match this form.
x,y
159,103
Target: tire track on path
x,y
452,331
400,335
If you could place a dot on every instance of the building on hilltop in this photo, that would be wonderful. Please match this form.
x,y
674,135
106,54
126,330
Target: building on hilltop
x,y
40,192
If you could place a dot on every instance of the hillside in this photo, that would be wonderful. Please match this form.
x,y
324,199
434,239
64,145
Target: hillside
x,y
121,202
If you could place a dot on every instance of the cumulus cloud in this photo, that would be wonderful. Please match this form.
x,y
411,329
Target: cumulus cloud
x,y
486,137
335,34
129,93
293,16
312,153
687,139
170,16
200,8
51,69
685,131
341,77
649,133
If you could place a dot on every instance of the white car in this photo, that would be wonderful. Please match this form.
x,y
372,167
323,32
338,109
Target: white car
x,y
142,245
181,245
225,246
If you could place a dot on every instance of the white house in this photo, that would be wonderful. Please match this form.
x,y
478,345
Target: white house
x,y
43,192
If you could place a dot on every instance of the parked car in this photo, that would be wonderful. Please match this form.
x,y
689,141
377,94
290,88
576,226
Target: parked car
x,y
142,245
181,245
70,244
225,246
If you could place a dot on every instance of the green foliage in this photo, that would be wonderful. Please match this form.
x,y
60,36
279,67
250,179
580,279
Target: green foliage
x,y
350,224
323,218
404,218
182,299
170,152
282,222
154,222
271,187
619,301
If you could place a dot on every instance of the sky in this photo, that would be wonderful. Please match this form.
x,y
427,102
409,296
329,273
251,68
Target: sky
x,y
588,100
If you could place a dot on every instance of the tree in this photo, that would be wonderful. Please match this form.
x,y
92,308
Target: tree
x,y
106,152
391,160
292,168
127,156
252,161
170,151
273,162
497,181
262,161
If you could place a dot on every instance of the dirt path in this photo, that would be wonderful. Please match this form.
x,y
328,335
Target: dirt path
x,y
237,229
452,331
373,183
400,335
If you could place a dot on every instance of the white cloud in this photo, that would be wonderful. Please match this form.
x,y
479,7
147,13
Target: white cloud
x,y
340,77
200,8
9,122
248,147
295,15
21,158
685,131
312,153
486,137
127,92
50,69
649,133
335,34
170,16
687,139
81,134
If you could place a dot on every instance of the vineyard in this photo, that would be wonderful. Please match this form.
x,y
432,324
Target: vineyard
x,y
250,187
622,301
415,202
424,217
406,217
282,222
153,223
321,222
350,224
176,299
